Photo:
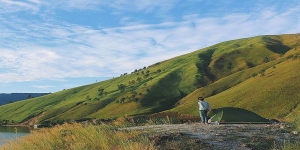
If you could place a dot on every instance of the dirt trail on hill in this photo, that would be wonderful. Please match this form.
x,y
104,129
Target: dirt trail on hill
x,y
228,136
33,121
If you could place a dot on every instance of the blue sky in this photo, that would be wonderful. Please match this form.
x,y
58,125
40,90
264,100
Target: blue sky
x,y
50,45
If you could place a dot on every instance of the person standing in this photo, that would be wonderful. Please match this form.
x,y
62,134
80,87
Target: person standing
x,y
203,109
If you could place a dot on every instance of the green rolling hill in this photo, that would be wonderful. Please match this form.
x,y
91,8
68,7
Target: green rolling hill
x,y
259,74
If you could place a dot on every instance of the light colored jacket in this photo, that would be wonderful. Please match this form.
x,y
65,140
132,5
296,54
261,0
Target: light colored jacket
x,y
203,105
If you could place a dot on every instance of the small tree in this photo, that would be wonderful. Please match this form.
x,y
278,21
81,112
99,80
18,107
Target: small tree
x,y
101,91
88,98
266,59
133,81
139,79
122,100
121,87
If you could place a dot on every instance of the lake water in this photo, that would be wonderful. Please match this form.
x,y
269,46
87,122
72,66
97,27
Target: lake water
x,y
9,132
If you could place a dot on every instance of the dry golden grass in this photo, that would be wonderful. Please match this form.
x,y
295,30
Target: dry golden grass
x,y
77,136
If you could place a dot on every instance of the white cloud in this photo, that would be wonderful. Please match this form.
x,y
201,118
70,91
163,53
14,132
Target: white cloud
x,y
10,6
35,5
43,86
144,5
32,50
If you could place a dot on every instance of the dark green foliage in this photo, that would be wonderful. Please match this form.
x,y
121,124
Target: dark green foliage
x,y
121,87
250,64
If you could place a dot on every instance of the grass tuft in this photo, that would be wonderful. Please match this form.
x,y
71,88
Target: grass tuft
x,y
286,145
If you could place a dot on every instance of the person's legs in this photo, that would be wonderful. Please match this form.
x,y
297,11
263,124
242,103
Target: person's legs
x,y
202,115
205,116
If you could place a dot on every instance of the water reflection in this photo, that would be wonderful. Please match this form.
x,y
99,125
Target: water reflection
x,y
13,129
11,132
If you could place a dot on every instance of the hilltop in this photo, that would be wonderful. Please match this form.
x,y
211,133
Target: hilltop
x,y
259,74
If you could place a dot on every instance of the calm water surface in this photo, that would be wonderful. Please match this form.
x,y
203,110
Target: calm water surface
x,y
9,132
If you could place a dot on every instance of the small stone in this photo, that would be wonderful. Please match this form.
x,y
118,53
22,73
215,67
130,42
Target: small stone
x,y
295,132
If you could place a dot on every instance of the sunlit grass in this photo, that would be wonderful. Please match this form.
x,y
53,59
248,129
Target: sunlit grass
x,y
77,136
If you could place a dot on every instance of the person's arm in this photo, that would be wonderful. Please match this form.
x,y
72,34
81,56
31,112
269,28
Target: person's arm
x,y
208,106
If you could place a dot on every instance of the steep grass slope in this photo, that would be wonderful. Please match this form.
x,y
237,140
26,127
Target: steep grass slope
x,y
256,74
269,89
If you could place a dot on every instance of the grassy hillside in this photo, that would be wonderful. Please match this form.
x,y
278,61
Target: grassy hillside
x,y
259,74
269,89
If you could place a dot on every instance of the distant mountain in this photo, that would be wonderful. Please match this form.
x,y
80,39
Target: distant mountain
x,y
259,74
6,98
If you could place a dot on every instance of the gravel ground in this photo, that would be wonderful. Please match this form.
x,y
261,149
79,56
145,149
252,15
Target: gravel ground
x,y
229,136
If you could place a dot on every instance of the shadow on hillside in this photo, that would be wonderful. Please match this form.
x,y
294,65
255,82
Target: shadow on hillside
x,y
275,46
205,76
164,95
